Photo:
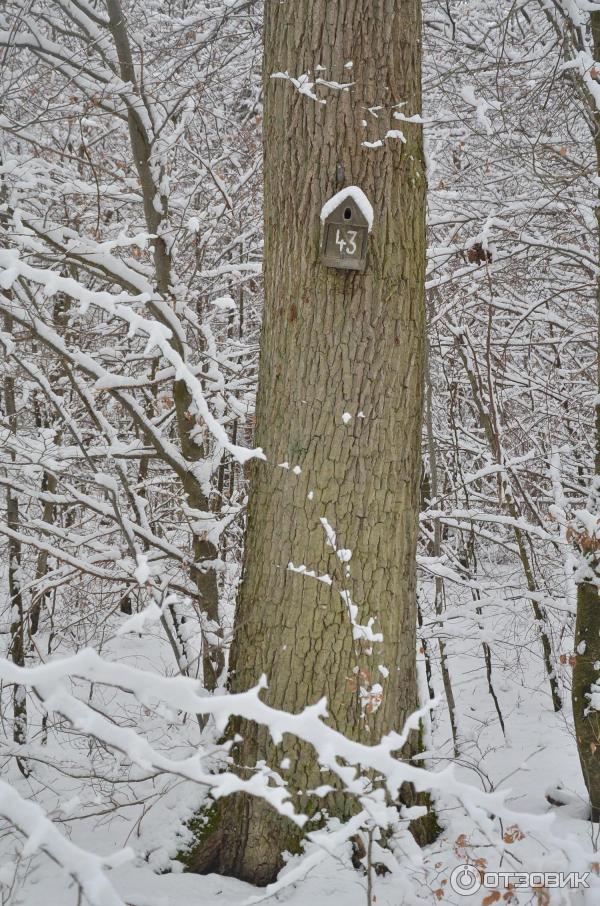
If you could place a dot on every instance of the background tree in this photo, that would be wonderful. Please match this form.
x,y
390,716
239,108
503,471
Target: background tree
x,y
125,158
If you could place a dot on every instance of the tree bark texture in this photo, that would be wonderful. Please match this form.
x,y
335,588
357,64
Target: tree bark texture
x,y
587,628
333,342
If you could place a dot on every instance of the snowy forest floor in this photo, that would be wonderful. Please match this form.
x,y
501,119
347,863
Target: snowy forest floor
x,y
124,809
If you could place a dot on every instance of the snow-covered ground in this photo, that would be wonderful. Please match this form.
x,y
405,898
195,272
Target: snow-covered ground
x,y
103,804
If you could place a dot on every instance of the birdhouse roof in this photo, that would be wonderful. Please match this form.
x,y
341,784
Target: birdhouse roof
x,y
343,197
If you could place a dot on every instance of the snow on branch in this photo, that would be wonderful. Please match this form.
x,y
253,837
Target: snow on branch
x,y
344,757
119,306
86,869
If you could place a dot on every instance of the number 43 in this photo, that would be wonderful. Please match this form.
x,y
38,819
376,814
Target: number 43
x,y
347,245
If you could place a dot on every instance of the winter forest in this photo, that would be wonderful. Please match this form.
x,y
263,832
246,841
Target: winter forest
x,y
299,452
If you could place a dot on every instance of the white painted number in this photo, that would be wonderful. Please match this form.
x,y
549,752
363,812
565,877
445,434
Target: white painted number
x,y
341,243
347,246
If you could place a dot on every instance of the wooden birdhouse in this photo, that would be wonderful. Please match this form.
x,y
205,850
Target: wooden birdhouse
x,y
347,220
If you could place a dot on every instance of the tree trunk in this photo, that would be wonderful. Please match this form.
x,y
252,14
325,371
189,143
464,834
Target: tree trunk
x,y
17,623
587,628
333,342
150,173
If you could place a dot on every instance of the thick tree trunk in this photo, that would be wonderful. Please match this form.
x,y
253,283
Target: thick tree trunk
x,y
333,342
587,629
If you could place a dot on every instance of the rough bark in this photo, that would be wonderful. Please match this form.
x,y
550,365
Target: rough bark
x,y
587,628
332,342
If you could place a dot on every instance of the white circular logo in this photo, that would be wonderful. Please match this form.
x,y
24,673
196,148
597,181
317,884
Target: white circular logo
x,y
465,880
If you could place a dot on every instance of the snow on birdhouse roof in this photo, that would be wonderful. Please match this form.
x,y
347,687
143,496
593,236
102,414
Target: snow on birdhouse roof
x,y
358,197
